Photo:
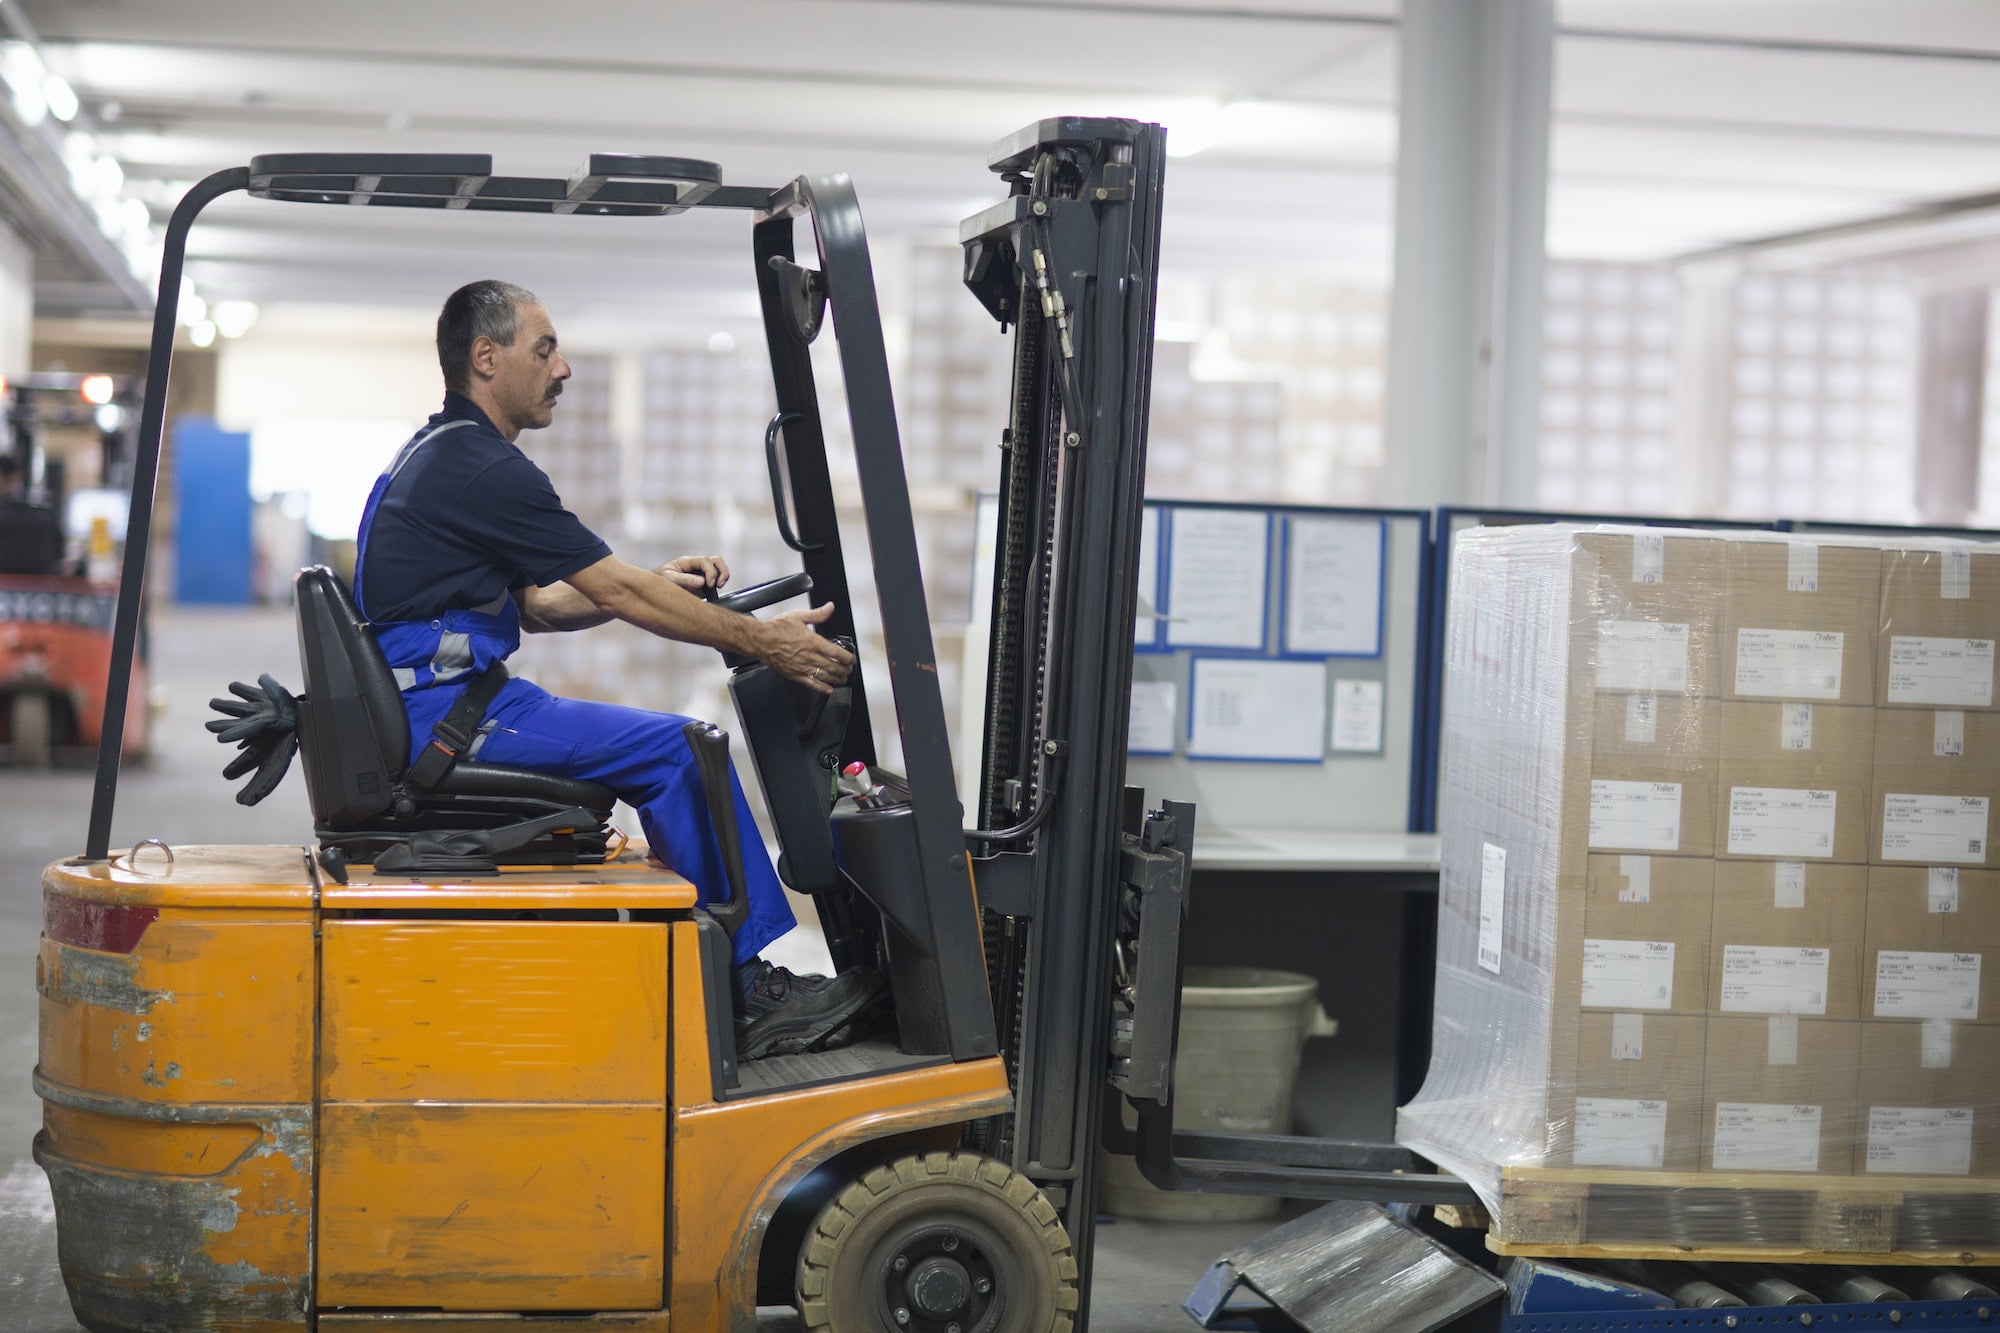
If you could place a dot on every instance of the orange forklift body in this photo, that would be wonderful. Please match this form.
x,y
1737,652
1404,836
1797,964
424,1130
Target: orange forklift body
x,y
55,643
278,1102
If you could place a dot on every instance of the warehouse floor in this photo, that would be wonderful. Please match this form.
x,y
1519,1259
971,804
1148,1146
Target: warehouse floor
x,y
1144,1269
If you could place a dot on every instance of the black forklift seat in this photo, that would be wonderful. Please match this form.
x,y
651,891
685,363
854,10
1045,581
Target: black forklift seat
x,y
354,740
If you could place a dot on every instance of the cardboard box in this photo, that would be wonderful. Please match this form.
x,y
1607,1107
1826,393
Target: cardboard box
x,y
1786,937
1644,776
1940,618
1800,621
1646,612
1937,772
1635,1101
1928,1101
1778,1095
1644,945
1793,781
1932,949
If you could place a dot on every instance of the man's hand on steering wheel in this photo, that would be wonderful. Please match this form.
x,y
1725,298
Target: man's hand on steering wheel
x,y
795,652
695,572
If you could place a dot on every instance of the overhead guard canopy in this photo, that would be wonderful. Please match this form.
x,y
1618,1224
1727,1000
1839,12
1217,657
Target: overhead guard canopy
x,y
608,185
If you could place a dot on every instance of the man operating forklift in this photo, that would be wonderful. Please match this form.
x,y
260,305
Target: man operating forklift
x,y
464,544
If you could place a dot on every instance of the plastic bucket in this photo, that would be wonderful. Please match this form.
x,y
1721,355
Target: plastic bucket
x,y
1242,1030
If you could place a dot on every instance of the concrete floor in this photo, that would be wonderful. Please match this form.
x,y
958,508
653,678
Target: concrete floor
x,y
1144,1269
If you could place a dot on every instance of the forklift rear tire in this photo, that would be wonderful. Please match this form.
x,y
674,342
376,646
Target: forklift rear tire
x,y
32,729
945,1242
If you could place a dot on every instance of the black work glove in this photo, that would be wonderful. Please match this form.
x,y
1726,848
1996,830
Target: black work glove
x,y
263,723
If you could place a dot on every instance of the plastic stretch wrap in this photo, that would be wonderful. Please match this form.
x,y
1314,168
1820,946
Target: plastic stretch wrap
x,y
1718,890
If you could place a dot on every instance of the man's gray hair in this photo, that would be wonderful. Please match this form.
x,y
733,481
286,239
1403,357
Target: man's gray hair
x,y
483,309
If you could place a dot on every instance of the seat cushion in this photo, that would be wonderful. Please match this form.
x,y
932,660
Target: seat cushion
x,y
467,779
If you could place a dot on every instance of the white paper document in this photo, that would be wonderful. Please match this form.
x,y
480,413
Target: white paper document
x,y
1333,586
1910,984
1256,709
1619,1131
1152,728
1645,815
1773,979
1146,626
1357,716
1642,655
1788,663
1781,821
1492,904
1628,974
1934,828
1755,1136
1952,673
1215,578
1920,1140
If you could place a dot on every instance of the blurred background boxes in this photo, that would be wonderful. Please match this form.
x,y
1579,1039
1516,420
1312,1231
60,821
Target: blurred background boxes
x,y
1635,1099
1932,945
1800,621
1795,780
1778,1095
1929,1099
1786,939
1645,933
1936,772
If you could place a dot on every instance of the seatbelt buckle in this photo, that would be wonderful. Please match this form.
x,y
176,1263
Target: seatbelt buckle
x,y
434,761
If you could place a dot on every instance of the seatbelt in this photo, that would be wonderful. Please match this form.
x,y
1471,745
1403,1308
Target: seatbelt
x,y
457,728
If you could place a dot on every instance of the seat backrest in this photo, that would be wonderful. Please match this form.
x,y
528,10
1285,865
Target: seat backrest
x,y
353,734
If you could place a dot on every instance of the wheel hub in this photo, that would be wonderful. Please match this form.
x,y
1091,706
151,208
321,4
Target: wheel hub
x,y
940,1279
938,1287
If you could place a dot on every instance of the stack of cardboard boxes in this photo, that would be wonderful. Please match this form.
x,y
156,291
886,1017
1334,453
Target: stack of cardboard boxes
x,y
1770,859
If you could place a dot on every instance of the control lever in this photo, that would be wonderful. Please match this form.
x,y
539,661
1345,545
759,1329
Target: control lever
x,y
710,746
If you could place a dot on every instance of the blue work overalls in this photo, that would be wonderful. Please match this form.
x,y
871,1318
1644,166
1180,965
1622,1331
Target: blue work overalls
x,y
638,754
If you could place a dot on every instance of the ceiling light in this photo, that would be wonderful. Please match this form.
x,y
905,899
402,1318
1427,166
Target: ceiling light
x,y
60,97
97,388
193,310
109,417
233,319
721,342
137,216
202,334
21,66
107,178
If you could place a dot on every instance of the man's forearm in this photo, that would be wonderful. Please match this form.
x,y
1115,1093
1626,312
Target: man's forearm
x,y
553,609
657,604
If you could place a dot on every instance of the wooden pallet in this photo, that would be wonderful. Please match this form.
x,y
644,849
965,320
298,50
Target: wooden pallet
x,y
1562,1213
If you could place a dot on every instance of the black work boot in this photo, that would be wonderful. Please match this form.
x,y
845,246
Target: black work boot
x,y
784,1013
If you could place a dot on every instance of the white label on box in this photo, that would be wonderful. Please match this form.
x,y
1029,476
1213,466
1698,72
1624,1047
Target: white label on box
x,y
1789,663
1920,1140
1773,979
1936,1044
1788,884
1628,974
1781,821
1942,890
1636,814
1910,984
1642,719
1649,558
1933,828
1952,672
1756,1136
1948,734
1781,1039
1492,904
1638,873
1619,1131
1628,1036
1955,575
1642,655
1795,726
1801,567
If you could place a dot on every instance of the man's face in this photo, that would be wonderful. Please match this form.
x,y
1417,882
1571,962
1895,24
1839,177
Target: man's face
x,y
528,377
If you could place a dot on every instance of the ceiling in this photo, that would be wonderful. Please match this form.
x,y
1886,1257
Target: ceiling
x,y
1680,124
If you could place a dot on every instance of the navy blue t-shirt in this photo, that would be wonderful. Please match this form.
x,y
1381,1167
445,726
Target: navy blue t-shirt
x,y
469,518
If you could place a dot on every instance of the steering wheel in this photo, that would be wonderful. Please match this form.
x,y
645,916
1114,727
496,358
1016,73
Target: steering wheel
x,y
761,595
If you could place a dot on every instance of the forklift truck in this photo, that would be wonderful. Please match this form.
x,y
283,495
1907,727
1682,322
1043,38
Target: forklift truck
x,y
467,1063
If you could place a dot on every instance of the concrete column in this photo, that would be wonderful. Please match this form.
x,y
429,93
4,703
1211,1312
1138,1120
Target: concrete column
x,y
1704,388
1465,325
1951,403
17,302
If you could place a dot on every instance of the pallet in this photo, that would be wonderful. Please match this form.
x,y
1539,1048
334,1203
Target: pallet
x,y
1579,1213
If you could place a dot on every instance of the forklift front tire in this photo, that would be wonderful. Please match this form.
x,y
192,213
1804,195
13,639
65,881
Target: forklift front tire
x,y
32,723
943,1242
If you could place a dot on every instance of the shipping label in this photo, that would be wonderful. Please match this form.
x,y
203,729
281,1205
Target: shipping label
x,y
1788,885
1642,719
1801,567
1941,889
1910,984
1628,974
1795,726
1492,904
1649,558
1638,873
1920,1140
1642,655
1757,1136
1948,733
1620,1131
1934,828
1955,575
1789,663
1951,673
1773,979
1645,815
1781,821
